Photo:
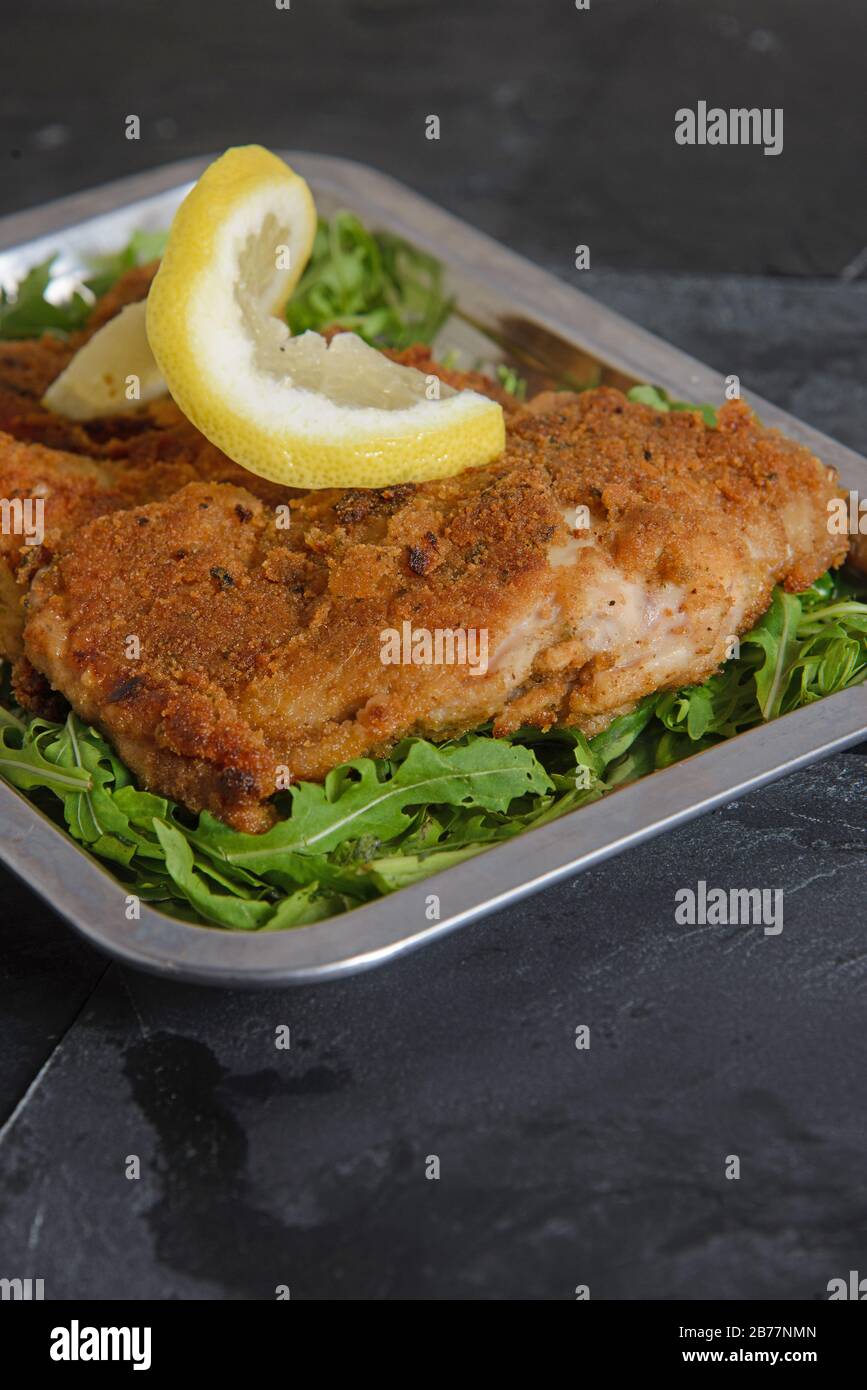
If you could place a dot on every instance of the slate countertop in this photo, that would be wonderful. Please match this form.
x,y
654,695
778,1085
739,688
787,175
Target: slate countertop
x,y
306,1167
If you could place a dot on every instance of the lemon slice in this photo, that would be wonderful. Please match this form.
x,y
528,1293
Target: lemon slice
x,y
114,371
295,410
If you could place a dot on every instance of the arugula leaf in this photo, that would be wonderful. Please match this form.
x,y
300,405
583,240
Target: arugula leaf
x,y
29,312
777,636
224,909
24,763
142,247
661,400
357,798
372,283
801,650
620,735
399,870
302,907
510,381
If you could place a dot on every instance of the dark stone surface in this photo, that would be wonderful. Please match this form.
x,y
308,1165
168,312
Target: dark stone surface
x,y
798,343
559,1167
557,125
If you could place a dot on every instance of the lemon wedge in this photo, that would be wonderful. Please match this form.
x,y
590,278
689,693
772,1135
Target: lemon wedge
x,y
300,411
115,371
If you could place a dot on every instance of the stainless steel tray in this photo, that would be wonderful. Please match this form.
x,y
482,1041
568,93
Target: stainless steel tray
x,y
556,331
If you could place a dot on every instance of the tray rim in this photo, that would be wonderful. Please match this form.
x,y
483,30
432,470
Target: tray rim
x,y
80,889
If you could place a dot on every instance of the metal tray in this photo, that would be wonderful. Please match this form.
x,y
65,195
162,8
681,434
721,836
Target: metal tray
x,y
555,331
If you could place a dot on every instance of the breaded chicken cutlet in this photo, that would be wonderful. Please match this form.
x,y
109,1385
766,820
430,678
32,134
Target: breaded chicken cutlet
x,y
612,551
74,489
79,470
29,366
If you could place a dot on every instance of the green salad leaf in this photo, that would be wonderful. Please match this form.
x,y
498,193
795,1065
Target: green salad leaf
x,y
31,311
372,283
28,313
362,833
512,381
141,248
661,400
376,799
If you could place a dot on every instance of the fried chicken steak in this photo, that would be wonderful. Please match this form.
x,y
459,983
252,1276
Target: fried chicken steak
x,y
612,551
79,470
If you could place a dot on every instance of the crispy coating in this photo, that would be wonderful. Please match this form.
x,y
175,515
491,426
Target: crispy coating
x,y
145,465
71,491
74,489
81,470
419,356
612,551
29,366
132,287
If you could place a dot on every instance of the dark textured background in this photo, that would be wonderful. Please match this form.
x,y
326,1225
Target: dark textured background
x,y
558,1167
554,122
